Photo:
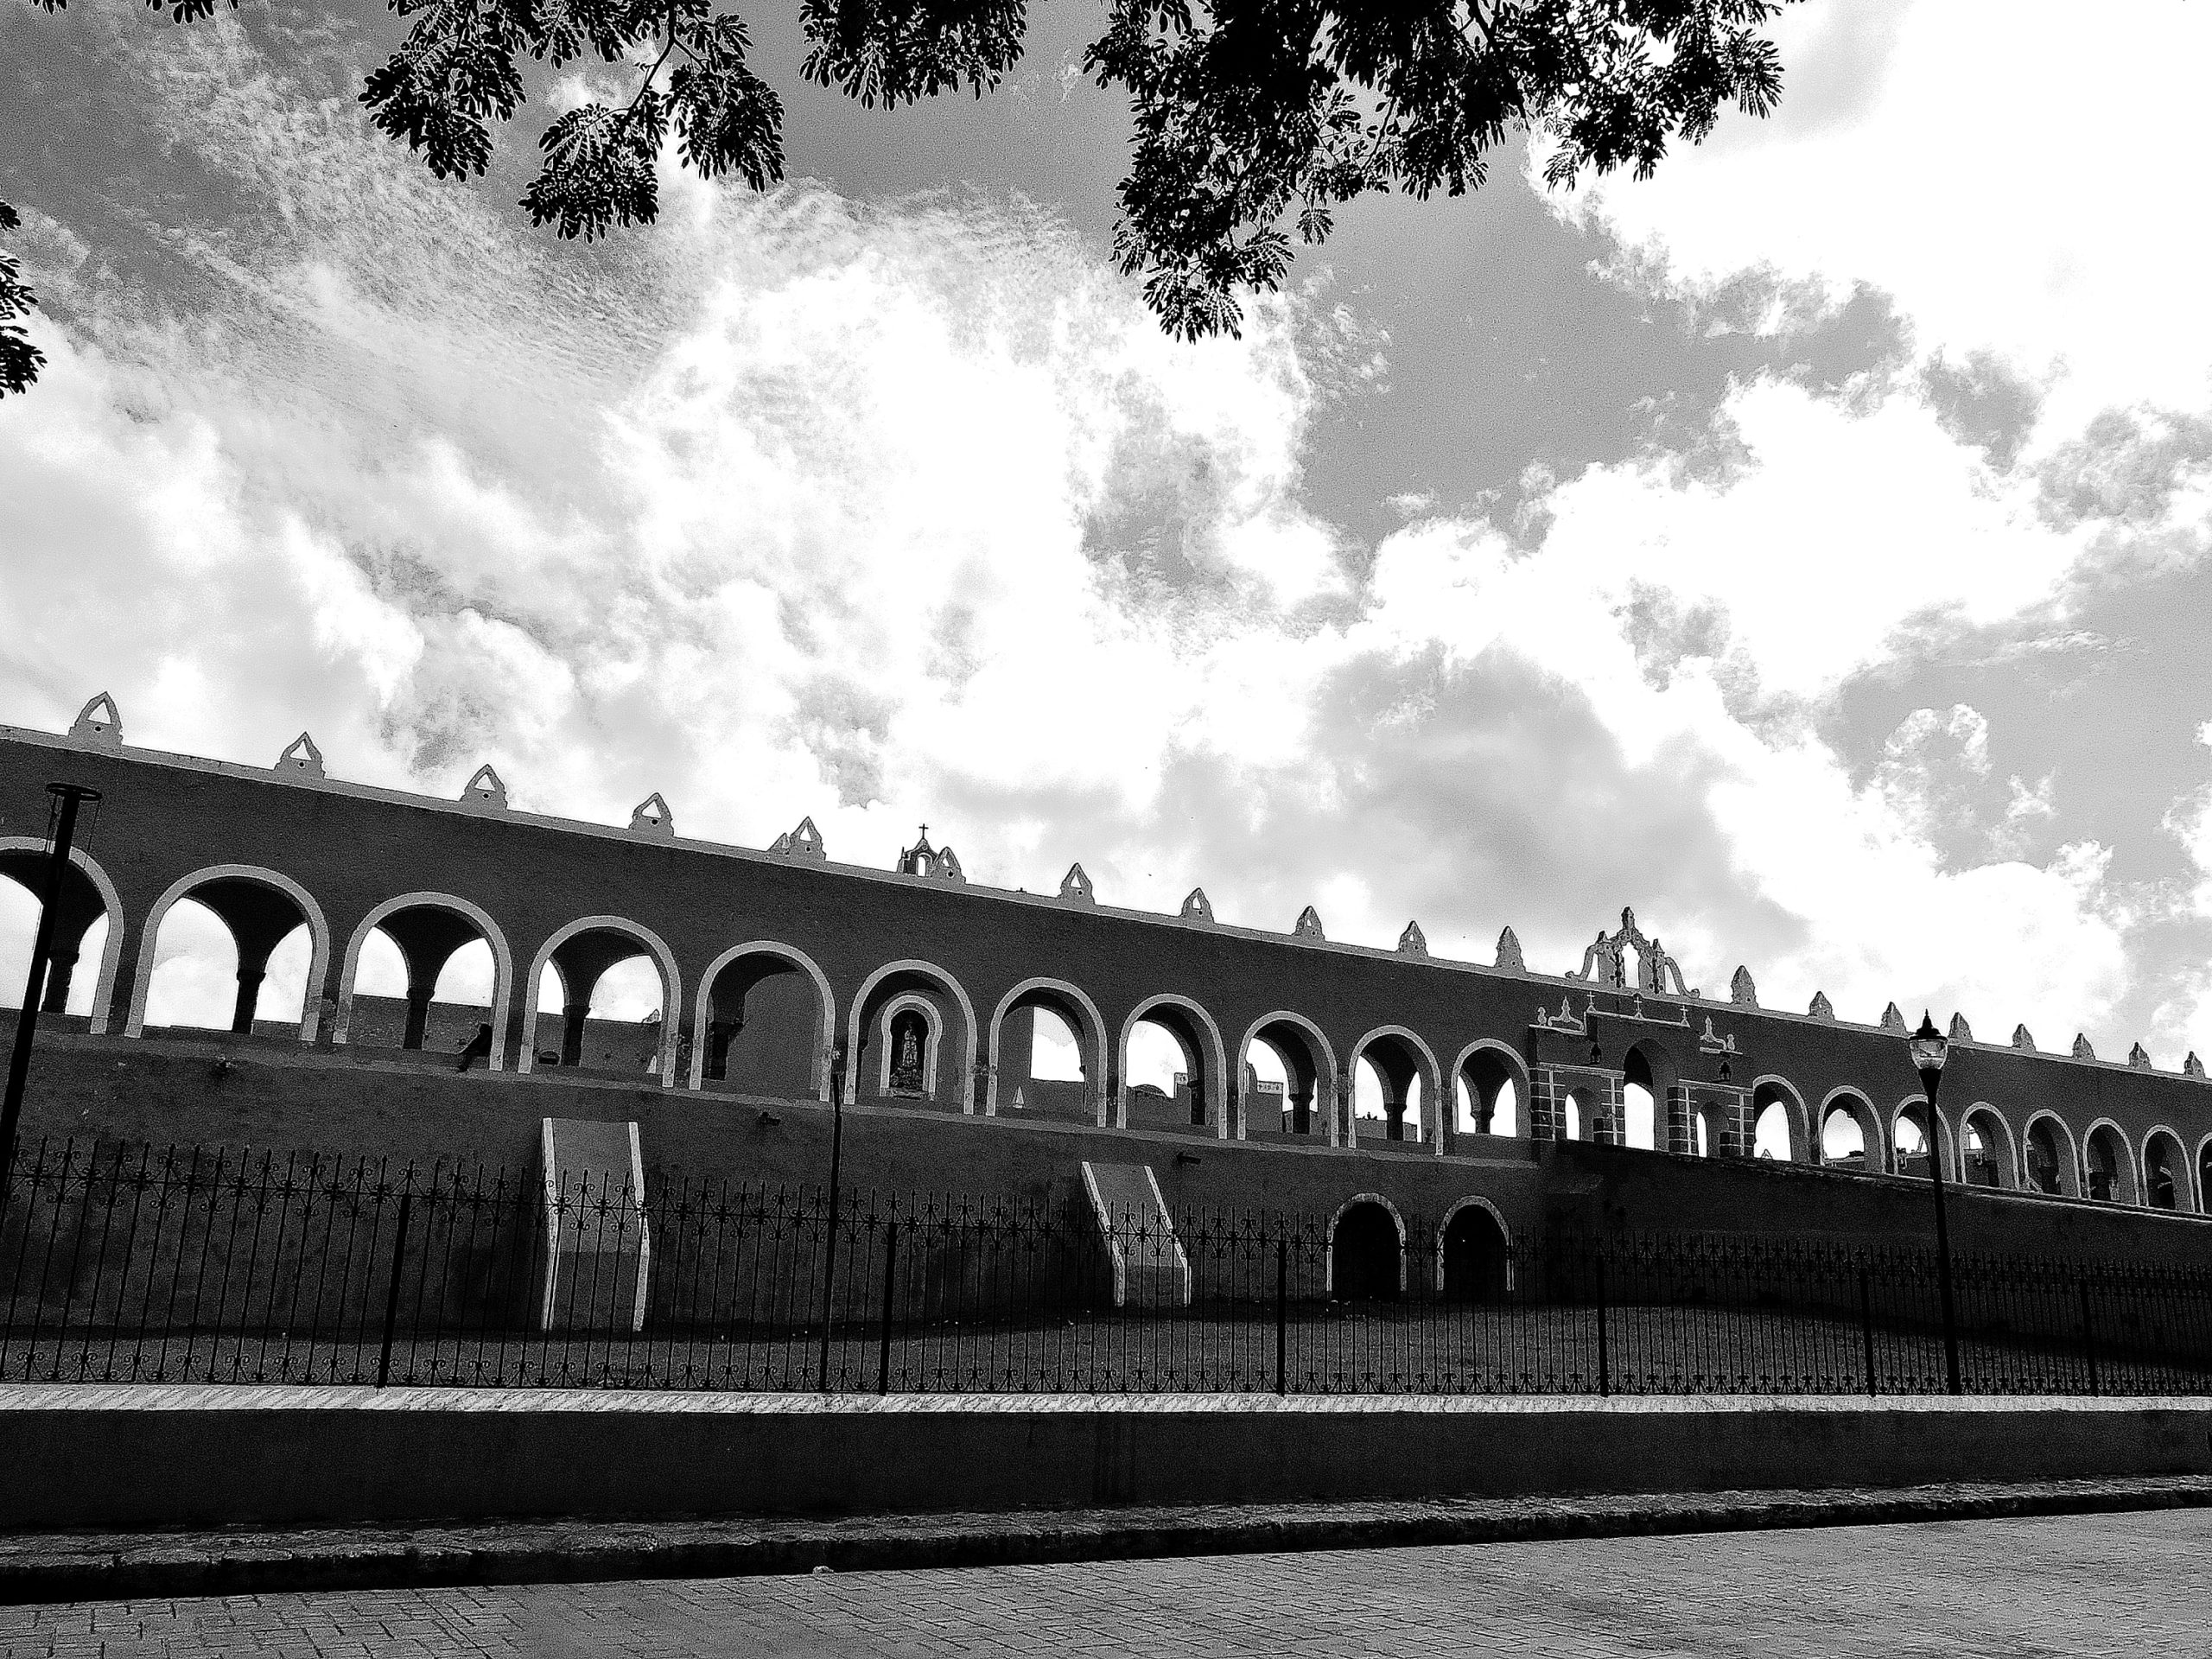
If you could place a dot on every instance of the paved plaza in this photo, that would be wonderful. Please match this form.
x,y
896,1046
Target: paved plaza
x,y
2132,1583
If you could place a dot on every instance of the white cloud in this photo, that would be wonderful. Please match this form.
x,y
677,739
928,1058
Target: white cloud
x,y
2015,175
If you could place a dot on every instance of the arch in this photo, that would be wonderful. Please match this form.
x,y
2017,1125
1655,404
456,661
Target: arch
x,y
885,1023
671,984
502,961
2165,1174
2203,1173
1354,1271
1485,1065
1217,1085
1772,1091
1999,1163
2047,1136
1709,1128
1072,1004
702,1016
1466,1271
110,952
150,933
1940,1136
2105,1138
1320,1058
1434,1124
1874,1157
854,1017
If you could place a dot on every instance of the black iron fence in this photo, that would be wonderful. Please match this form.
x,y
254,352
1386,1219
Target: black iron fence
x,y
129,1263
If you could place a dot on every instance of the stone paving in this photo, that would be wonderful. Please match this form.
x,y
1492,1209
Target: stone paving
x,y
2111,1584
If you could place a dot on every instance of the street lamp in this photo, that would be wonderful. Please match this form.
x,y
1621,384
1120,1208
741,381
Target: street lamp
x,y
67,798
1930,1049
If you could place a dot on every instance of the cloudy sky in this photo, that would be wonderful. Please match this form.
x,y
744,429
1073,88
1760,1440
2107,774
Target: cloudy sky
x,y
1809,547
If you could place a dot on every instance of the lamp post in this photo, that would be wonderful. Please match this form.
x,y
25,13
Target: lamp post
x,y
1930,1049
829,1225
67,798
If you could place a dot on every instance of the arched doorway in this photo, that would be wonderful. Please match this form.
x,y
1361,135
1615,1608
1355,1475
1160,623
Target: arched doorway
x,y
266,920
2048,1157
1047,1052
2111,1171
1475,1263
1492,1084
1288,1075
1393,1084
1986,1147
579,964
1366,1253
1169,1064
2204,1176
1909,1137
1708,1132
2165,1171
764,1024
429,971
1851,1134
87,922
912,1039
1649,1076
1779,1130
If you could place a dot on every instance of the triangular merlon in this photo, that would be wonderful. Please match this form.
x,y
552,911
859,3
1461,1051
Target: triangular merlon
x,y
1413,941
1822,1008
1308,926
652,817
484,789
1075,886
804,842
1741,990
1892,1018
2023,1037
301,756
1509,952
1960,1032
1196,907
947,866
98,721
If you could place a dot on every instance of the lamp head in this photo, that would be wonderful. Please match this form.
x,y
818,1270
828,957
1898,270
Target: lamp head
x,y
1929,1048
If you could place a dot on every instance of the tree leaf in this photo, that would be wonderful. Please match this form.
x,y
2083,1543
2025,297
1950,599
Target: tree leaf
x,y
600,168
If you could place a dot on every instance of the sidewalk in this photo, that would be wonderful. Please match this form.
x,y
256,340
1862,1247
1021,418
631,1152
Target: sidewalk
x,y
45,1567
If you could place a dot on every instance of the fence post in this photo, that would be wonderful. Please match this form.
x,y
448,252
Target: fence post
x,y
1282,1315
1866,1328
2088,1335
392,1291
890,1280
1605,1358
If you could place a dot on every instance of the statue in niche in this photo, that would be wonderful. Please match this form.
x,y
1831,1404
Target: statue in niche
x,y
907,1062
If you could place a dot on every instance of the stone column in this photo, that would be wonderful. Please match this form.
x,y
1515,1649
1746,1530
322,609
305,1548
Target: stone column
x,y
248,993
418,1013
572,1015
1543,1103
60,966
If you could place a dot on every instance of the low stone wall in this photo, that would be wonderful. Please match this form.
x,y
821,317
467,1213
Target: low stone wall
x,y
93,1456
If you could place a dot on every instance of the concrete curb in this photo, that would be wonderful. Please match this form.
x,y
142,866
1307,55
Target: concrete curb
x,y
70,1567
